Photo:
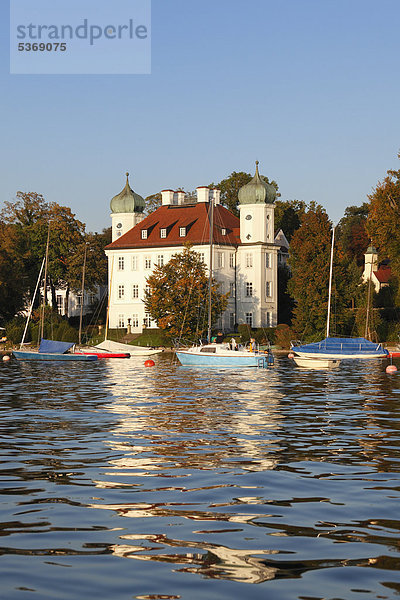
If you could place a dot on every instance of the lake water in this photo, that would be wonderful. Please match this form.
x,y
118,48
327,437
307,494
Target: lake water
x,y
120,481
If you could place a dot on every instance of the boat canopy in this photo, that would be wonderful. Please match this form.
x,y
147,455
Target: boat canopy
x,y
53,347
337,345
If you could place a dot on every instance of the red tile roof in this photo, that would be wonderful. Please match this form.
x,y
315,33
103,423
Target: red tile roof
x,y
192,216
383,274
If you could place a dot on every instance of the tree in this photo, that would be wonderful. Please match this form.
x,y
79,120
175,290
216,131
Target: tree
x,y
152,202
288,215
178,294
309,259
231,185
11,272
352,232
383,223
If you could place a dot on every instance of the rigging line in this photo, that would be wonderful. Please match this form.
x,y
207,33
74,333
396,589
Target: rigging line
x,y
31,306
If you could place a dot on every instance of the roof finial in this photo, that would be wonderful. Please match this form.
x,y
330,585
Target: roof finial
x,y
257,163
127,174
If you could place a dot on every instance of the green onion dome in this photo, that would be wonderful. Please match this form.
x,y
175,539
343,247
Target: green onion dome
x,y
257,191
127,201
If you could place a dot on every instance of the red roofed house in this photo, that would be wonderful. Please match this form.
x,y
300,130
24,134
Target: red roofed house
x,y
244,252
380,273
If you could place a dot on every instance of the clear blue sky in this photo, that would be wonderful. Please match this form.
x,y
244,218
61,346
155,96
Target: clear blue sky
x,y
310,88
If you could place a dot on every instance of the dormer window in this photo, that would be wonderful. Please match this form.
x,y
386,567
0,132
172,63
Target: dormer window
x,y
144,234
182,231
163,232
223,231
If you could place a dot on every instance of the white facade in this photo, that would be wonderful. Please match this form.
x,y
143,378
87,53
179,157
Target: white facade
x,y
246,269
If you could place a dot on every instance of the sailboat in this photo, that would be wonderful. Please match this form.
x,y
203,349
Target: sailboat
x,y
221,354
48,349
338,348
118,347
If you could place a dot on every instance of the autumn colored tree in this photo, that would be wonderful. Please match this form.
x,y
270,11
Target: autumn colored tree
x,y
177,296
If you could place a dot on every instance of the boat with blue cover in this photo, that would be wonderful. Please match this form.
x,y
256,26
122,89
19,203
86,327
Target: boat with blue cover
x,y
52,350
340,348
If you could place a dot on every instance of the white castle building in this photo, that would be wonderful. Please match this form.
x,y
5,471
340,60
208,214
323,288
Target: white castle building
x,y
245,255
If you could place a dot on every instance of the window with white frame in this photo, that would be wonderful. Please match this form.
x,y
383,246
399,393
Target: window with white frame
x,y
135,290
249,319
232,260
160,260
201,256
267,260
147,262
147,289
163,232
91,298
249,260
79,299
220,260
147,320
135,320
249,289
135,263
268,289
182,231
121,292
232,289
144,234
223,231
121,321
59,303
121,263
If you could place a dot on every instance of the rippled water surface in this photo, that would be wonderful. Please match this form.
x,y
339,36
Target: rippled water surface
x,y
120,481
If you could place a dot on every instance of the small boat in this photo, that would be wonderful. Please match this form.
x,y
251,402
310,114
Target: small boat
x,y
316,363
340,348
110,346
50,350
395,354
101,353
223,355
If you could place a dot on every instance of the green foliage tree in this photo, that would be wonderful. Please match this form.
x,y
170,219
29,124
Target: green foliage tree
x,y
11,272
178,293
309,259
152,202
352,232
288,215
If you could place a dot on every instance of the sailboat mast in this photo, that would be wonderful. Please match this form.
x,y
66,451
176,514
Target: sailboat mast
x,y
82,294
330,284
45,281
211,217
367,329
109,297
32,303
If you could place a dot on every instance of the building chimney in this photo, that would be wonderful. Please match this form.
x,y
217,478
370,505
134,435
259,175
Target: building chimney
x,y
203,194
181,197
167,197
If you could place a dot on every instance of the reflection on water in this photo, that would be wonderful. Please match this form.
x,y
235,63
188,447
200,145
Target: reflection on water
x,y
206,479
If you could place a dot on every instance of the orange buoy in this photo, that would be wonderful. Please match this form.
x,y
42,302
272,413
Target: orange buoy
x,y
149,363
6,357
391,369
290,355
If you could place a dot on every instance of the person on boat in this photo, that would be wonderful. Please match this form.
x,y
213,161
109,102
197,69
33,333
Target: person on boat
x,y
220,338
233,344
253,345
